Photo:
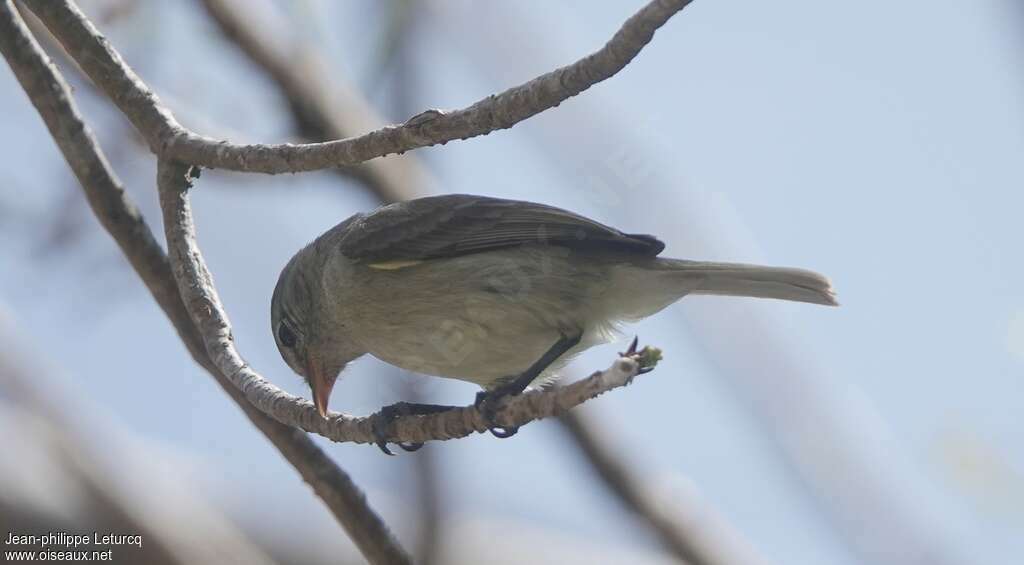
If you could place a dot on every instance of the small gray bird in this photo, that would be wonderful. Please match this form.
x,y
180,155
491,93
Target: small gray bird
x,y
496,292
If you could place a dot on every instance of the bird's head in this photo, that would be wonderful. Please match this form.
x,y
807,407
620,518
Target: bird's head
x,y
303,326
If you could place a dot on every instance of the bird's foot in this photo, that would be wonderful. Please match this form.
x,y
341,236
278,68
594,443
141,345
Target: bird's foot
x,y
647,358
487,403
383,419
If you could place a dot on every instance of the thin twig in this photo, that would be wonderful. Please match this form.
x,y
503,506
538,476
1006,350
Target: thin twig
x,y
170,140
119,216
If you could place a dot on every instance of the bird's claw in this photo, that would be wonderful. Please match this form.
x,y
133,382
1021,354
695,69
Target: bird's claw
x,y
503,432
383,445
406,446
487,404
382,422
631,353
647,357
632,348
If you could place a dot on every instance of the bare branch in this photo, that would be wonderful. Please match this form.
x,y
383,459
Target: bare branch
x,y
52,98
168,139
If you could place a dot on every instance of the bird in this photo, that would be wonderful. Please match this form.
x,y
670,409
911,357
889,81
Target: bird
x,y
500,293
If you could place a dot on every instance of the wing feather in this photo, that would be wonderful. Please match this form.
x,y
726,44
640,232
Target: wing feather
x,y
458,224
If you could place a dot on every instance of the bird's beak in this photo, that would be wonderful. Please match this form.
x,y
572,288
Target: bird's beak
x,y
321,383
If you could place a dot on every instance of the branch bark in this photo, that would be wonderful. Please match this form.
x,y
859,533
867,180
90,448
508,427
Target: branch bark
x,y
119,216
170,140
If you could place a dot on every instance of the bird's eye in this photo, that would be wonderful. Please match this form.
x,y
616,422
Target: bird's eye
x,y
286,335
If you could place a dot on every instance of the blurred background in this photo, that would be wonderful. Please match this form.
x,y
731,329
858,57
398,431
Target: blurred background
x,y
878,143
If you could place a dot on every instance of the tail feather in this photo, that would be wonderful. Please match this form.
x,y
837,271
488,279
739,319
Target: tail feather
x,y
733,279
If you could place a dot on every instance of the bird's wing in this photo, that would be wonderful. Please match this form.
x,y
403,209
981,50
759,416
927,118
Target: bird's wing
x,y
458,224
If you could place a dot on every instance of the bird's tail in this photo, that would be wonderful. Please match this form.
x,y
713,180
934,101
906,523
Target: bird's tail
x,y
733,279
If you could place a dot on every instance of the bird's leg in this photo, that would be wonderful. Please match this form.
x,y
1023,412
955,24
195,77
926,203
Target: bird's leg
x,y
382,421
487,401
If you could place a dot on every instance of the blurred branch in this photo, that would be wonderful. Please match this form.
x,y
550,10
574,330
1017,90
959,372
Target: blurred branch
x,y
50,432
323,108
429,507
75,75
170,140
107,503
691,541
50,43
51,96
119,216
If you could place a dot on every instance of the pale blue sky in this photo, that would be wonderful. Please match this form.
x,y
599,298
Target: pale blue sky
x,y
878,143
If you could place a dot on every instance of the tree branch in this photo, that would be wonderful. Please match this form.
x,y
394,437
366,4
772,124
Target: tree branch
x,y
169,140
620,482
119,216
